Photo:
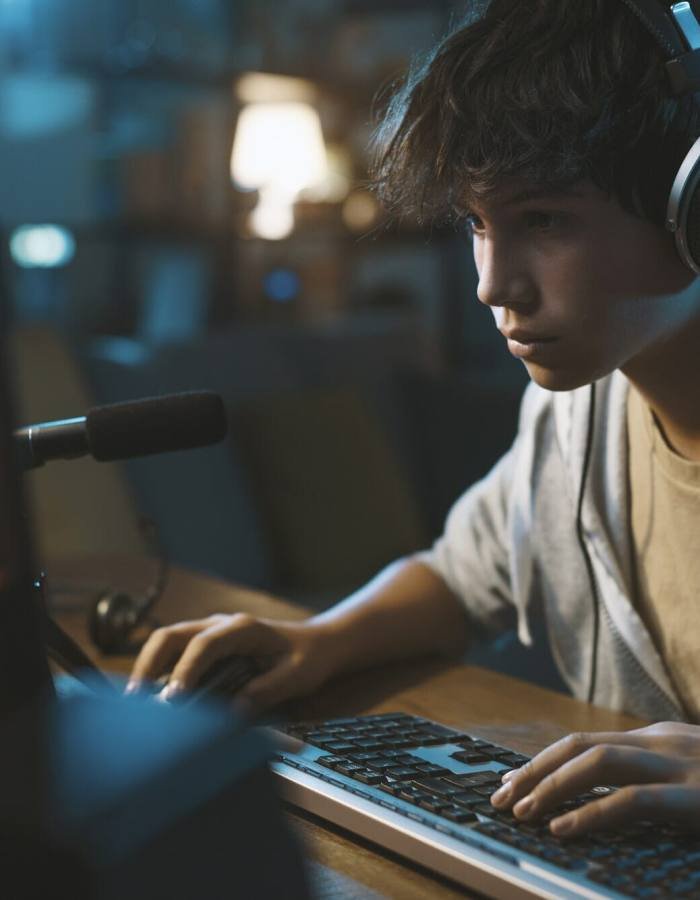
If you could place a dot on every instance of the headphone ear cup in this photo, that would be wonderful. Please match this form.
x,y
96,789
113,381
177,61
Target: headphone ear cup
x,y
683,213
692,226
112,619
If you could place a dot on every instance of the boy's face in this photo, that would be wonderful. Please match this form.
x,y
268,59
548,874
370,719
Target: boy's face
x,y
578,286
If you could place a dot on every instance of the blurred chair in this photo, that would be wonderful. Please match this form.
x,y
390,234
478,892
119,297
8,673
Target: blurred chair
x,y
80,507
313,490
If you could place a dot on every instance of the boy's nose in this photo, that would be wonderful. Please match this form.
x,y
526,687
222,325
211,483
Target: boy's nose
x,y
502,279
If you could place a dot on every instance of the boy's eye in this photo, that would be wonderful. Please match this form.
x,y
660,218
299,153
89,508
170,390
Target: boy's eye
x,y
541,221
533,220
473,224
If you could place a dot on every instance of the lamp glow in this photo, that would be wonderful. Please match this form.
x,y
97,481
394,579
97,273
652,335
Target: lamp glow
x,y
278,150
273,217
42,246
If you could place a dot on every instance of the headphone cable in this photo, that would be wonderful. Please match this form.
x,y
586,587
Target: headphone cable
x,y
584,549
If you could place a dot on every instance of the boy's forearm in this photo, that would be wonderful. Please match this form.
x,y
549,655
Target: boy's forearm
x,y
406,611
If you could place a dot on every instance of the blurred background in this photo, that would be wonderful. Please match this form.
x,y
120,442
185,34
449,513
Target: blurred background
x,y
184,205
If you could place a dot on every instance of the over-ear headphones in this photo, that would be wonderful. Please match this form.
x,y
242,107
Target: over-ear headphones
x,y
676,30
115,615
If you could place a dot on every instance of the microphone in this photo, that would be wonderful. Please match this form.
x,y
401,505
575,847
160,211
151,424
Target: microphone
x,y
125,430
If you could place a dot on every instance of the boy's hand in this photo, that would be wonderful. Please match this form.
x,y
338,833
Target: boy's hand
x,y
657,768
289,656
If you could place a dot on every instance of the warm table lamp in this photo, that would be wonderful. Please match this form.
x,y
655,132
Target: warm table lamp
x,y
279,151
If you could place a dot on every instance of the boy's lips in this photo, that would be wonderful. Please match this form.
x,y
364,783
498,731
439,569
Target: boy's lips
x,y
526,337
526,345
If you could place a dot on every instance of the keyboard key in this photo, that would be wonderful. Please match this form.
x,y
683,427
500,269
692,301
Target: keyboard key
x,y
389,779
367,776
449,735
433,804
431,769
467,798
514,759
474,779
437,786
330,762
388,788
458,814
380,764
338,747
364,756
433,740
410,793
407,759
485,809
363,744
348,768
470,758
485,790
405,773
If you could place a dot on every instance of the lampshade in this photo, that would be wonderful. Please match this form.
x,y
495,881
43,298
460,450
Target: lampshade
x,y
280,146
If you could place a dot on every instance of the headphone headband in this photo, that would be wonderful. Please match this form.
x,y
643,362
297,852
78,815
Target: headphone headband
x,y
676,30
659,24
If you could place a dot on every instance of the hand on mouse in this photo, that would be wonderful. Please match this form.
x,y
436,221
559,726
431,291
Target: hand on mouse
x,y
287,654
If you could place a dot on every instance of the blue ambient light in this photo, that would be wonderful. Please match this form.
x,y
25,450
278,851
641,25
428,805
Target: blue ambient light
x,y
42,246
282,285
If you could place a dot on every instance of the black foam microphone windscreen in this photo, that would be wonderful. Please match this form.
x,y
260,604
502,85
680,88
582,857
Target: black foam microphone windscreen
x,y
155,425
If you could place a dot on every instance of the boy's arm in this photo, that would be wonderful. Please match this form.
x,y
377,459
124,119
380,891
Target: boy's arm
x,y
405,611
432,602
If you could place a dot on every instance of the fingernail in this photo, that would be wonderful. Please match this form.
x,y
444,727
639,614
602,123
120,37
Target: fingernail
x,y
563,825
506,776
132,687
502,795
524,808
170,691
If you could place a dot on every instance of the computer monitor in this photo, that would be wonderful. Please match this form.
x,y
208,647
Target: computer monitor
x,y
24,669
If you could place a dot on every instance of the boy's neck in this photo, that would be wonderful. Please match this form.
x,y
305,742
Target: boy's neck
x,y
669,382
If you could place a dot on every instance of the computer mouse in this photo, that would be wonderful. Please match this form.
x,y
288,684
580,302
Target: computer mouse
x,y
223,679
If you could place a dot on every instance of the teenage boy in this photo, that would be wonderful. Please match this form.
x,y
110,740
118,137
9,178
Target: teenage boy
x,y
547,130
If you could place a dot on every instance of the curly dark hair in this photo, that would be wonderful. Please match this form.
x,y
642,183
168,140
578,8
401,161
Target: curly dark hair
x,y
548,91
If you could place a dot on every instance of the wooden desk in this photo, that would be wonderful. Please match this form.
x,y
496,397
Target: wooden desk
x,y
475,700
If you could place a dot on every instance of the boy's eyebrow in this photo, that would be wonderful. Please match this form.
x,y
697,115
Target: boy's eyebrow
x,y
541,193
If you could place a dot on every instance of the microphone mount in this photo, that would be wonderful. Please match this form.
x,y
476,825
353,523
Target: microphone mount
x,y
63,439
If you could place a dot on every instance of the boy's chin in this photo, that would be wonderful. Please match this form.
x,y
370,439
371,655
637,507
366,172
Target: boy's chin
x,y
558,379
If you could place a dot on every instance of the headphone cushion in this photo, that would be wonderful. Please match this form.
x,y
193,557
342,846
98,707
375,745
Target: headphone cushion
x,y
692,224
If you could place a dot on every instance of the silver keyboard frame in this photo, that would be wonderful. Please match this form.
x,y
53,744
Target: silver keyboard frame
x,y
477,862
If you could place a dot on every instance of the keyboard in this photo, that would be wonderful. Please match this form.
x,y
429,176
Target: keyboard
x,y
421,789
